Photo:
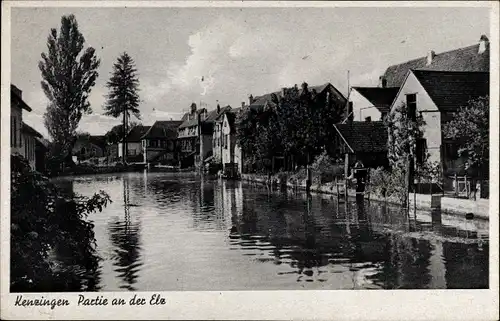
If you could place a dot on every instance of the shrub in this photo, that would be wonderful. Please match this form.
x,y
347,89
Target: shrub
x,y
45,221
388,183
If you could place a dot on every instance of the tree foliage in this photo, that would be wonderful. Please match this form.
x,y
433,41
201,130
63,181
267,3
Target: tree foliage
x,y
297,123
46,222
69,72
470,127
123,96
404,132
115,134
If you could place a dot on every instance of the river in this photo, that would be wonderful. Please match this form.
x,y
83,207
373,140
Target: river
x,y
174,232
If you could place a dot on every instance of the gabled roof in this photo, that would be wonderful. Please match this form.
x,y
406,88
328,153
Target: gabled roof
x,y
16,97
27,129
381,98
368,137
163,129
135,135
462,59
191,119
450,90
210,117
260,101
231,119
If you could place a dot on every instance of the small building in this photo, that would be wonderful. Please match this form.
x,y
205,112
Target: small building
x,y
135,151
159,143
90,146
437,95
362,141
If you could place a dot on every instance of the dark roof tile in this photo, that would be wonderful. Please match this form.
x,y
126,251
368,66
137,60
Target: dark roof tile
x,y
30,130
381,98
462,59
135,135
364,136
452,90
163,129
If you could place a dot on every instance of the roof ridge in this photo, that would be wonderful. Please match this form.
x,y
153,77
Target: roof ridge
x,y
437,54
450,71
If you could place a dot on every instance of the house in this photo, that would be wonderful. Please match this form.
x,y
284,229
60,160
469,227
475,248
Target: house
x,y
231,155
17,105
29,137
90,146
372,102
23,137
217,139
195,135
159,143
437,95
362,141
135,151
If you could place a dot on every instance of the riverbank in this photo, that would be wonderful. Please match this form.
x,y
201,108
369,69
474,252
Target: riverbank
x,y
479,208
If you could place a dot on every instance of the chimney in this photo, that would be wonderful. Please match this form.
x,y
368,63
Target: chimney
x,y
218,108
250,100
430,57
242,104
382,82
283,90
193,107
483,44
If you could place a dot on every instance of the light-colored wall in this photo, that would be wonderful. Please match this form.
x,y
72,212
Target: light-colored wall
x,y
227,150
430,113
217,141
238,157
132,146
363,108
16,116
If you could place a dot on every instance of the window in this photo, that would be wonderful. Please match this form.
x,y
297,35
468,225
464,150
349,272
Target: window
x,y
411,105
384,115
368,119
225,141
451,151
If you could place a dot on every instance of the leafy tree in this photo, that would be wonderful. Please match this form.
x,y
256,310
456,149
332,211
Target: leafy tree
x,y
45,220
404,132
115,134
123,96
470,128
69,72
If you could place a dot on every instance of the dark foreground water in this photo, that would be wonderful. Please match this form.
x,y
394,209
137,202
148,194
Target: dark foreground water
x,y
168,231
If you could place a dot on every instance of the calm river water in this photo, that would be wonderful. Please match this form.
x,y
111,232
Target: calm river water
x,y
168,231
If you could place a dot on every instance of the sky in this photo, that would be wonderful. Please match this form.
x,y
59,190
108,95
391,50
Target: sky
x,y
236,51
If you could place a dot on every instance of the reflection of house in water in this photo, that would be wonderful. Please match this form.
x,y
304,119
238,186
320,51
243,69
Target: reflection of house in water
x,y
373,243
125,236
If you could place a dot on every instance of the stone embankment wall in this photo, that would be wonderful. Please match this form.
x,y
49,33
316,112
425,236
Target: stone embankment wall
x,y
479,208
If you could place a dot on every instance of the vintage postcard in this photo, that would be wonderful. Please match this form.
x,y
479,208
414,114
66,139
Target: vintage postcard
x,y
249,160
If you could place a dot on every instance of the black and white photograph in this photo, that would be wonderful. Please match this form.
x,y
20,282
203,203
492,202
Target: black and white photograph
x,y
249,148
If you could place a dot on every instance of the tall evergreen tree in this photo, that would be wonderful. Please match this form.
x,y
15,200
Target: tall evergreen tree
x,y
68,74
123,97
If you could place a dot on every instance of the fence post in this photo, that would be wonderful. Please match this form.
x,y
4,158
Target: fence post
x,y
456,184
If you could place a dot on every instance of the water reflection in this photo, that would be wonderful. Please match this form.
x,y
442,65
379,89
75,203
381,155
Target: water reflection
x,y
229,235
125,236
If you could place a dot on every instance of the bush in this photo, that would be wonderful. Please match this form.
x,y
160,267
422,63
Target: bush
x,y
45,221
388,184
